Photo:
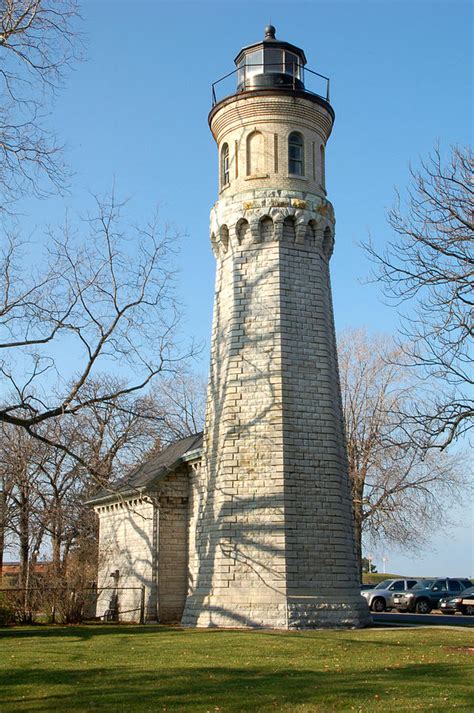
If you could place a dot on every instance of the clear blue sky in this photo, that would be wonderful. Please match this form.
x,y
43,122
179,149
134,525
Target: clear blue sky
x,y
135,112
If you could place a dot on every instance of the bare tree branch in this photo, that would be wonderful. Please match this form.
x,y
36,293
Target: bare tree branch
x,y
105,298
430,264
38,43
399,485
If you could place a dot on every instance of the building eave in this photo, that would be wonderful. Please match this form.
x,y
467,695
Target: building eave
x,y
117,496
193,455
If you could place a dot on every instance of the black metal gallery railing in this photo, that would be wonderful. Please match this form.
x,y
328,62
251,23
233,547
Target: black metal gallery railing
x,y
265,75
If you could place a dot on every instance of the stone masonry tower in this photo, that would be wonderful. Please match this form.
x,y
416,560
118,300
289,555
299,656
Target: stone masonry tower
x,y
271,538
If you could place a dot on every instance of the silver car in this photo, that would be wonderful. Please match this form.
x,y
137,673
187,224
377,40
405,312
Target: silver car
x,y
380,597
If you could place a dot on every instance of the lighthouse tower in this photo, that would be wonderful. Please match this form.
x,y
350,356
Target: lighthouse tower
x,y
272,540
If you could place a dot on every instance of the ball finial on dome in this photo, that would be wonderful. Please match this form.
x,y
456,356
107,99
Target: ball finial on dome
x,y
270,32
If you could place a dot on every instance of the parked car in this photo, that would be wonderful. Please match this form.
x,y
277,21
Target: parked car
x,y
426,594
463,602
380,597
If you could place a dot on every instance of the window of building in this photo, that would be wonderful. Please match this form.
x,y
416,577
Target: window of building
x,y
225,171
296,154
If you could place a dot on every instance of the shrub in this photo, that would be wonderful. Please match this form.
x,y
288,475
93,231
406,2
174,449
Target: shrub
x,y
7,610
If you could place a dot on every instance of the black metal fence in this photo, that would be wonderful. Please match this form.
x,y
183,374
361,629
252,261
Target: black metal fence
x,y
22,605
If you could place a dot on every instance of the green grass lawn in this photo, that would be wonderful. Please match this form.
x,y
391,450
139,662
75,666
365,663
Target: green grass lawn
x,y
150,668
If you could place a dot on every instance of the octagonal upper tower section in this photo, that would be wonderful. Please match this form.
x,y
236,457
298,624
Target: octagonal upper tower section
x,y
271,132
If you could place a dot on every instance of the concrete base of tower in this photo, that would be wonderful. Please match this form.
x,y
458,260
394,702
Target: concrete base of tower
x,y
291,614
324,612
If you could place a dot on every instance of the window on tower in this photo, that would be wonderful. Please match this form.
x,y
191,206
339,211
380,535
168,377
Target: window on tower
x,y
225,170
295,154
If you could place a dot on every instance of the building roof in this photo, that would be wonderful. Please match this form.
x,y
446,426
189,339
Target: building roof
x,y
154,469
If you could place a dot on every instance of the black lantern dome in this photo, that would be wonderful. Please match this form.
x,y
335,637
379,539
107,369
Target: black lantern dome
x,y
270,63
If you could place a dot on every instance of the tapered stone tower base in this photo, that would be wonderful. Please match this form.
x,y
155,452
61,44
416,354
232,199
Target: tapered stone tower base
x,y
303,613
272,537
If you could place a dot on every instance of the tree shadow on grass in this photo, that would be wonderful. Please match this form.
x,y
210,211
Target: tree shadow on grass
x,y
232,689
86,632
82,632
91,630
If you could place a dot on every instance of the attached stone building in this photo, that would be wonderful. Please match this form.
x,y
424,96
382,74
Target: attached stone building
x,y
144,536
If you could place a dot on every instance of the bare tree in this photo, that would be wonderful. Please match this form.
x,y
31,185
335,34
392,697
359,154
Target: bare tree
x,y
38,43
178,404
399,487
430,262
6,484
104,302
60,489
101,298
46,487
20,456
114,436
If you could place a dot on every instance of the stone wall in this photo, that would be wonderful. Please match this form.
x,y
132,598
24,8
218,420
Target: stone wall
x,y
146,540
173,545
127,543
239,502
195,504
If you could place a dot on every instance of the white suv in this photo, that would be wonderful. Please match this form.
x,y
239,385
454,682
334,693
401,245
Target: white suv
x,y
380,597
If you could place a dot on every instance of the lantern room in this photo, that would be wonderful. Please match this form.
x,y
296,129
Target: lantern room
x,y
270,63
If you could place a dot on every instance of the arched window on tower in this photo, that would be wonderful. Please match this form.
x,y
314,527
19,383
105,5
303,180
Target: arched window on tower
x,y
225,165
296,154
323,167
255,154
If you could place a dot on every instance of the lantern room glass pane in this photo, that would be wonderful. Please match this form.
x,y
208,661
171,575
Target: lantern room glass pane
x,y
241,71
274,60
254,62
292,65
